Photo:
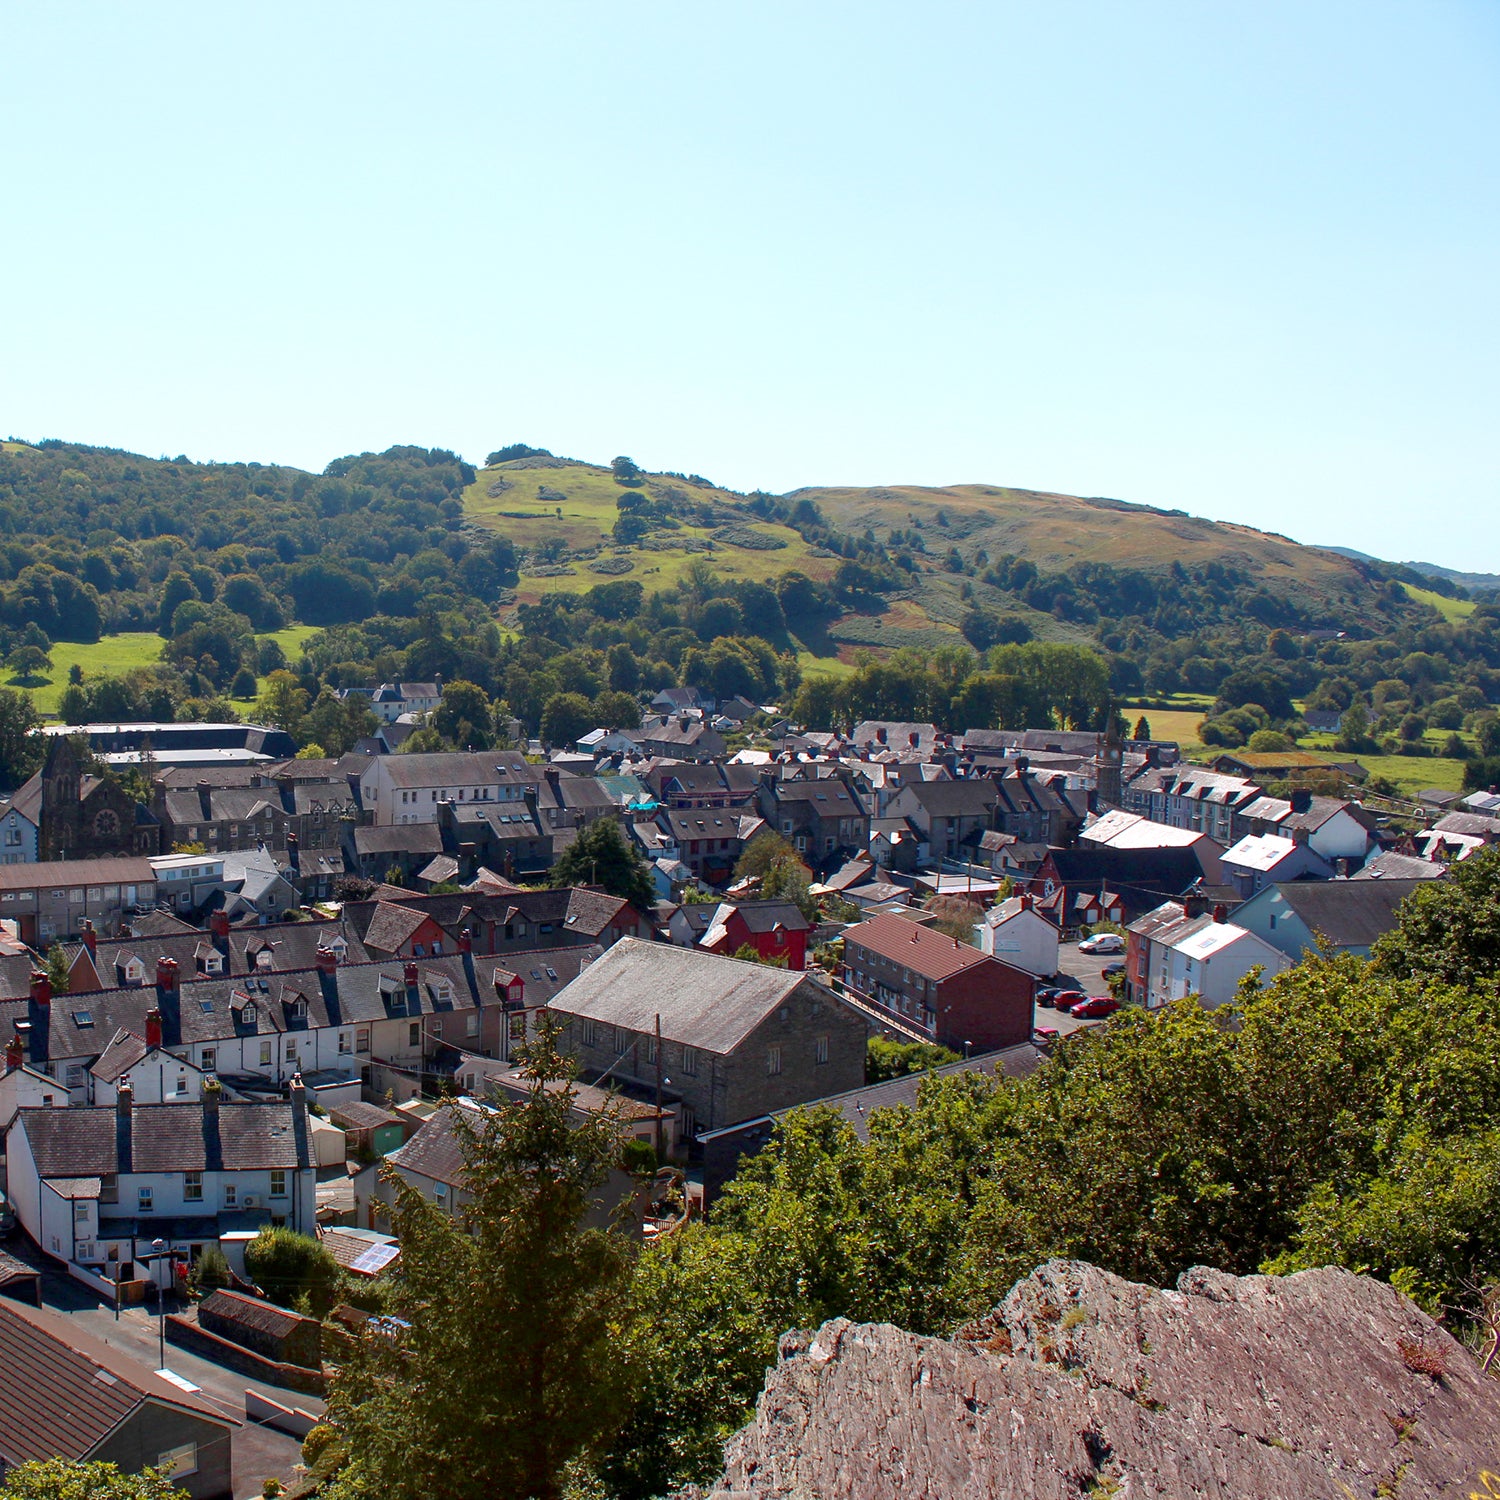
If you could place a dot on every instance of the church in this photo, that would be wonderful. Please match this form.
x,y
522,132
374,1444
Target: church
x,y
83,816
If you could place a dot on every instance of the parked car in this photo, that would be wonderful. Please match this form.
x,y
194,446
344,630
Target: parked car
x,y
1048,994
1103,942
1067,999
1044,1036
1110,970
1096,1006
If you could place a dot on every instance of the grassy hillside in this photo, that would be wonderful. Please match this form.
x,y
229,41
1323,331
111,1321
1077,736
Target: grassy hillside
x,y
508,498
1452,610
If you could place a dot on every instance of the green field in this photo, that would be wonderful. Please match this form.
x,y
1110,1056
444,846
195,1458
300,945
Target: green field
x,y
1180,724
1452,610
121,653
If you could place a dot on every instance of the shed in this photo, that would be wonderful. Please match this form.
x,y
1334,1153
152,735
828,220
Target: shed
x,y
274,1332
369,1128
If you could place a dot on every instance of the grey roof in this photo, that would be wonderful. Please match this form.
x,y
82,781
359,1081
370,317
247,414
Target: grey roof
x,y
122,870
703,1000
399,838
1351,913
461,768
951,799
166,1138
1392,866
122,1054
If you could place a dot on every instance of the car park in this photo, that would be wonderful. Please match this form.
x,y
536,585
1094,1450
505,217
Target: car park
x,y
1103,942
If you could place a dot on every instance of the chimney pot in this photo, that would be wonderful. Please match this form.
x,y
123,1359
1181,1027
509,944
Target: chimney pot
x,y
153,1029
41,988
409,971
15,1054
166,974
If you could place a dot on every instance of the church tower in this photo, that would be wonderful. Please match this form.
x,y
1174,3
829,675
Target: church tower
x,y
60,831
1111,762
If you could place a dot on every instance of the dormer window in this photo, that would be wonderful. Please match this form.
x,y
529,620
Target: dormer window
x,y
247,1016
263,959
299,1009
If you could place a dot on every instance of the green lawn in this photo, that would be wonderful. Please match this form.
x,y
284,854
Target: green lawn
x,y
1452,610
120,653
1170,724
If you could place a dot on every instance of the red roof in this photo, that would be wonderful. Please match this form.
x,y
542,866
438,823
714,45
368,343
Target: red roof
x,y
920,949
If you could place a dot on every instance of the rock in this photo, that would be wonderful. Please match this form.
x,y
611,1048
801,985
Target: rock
x,y
1322,1385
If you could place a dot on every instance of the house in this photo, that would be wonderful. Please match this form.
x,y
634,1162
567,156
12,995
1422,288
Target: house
x,y
1282,765
18,833
1211,959
1338,831
1187,796
374,851
66,1394
1119,829
1018,934
1259,860
949,816
776,930
1038,809
25,1087
507,836
222,817
52,900
1148,943
391,700
679,737
739,1039
1347,914
95,1187
1136,879
724,1149
876,736
257,887
141,1064
710,840
187,882
954,994
409,788
683,700
819,816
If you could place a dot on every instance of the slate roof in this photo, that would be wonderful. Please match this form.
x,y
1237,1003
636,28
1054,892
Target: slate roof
x,y
953,799
704,1001
62,1391
122,1054
1392,866
123,870
393,926
399,838
166,1138
1352,913
460,768
251,1312
434,1152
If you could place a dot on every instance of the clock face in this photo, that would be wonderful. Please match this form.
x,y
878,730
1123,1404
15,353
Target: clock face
x,y
106,823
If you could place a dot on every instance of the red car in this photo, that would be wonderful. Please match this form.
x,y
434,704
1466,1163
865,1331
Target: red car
x,y
1066,999
1096,1006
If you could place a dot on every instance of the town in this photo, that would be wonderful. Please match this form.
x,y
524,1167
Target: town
x,y
271,1032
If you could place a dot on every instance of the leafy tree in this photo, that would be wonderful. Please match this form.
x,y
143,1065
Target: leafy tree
x,y
1448,931
887,1059
1142,730
289,1267
787,880
601,856
21,748
29,663
57,969
566,716
763,851
1354,730
284,702
464,716
514,1364
244,685
63,1479
748,953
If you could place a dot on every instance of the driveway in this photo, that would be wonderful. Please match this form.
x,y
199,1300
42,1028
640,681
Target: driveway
x,y
259,1451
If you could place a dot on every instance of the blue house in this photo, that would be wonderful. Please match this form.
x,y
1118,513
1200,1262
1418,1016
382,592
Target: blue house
x,y
18,833
1349,914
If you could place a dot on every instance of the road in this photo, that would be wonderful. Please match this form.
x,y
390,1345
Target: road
x,y
259,1451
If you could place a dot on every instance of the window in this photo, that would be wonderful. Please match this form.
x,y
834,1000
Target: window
x,y
278,1182
773,1062
590,1034
192,1187
182,1087
143,1200
690,1061
361,1038
291,1049
518,1028
820,1050
265,1054
414,1034
80,1213
650,1049
210,1058
231,1195
344,1043
176,1462
471,1023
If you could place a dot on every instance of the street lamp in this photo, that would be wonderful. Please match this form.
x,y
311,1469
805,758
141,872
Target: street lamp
x,y
159,1248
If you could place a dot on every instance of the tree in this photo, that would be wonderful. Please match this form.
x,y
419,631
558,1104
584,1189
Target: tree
x,y
601,856
616,710
514,1363
1448,931
57,969
243,686
284,702
566,716
887,1059
748,953
1354,730
29,664
61,1479
21,747
1142,729
289,1267
761,853
788,880
464,716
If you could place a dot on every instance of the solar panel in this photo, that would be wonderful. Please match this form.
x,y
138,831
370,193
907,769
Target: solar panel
x,y
374,1260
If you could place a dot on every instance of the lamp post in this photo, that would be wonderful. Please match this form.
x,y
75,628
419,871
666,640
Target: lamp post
x,y
159,1248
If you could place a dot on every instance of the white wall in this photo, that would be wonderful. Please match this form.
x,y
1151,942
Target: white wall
x,y
1025,941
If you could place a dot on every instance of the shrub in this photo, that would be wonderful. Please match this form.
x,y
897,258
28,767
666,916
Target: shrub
x,y
210,1270
638,1157
287,1266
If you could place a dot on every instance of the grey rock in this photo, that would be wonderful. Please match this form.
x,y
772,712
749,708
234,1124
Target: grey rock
x,y
1323,1385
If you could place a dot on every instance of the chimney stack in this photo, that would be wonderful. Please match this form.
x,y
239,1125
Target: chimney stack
x,y
218,927
466,941
90,938
124,1102
15,1054
41,989
1220,914
298,1095
210,1095
205,802
1301,799
166,975
294,852
409,972
327,960
153,1029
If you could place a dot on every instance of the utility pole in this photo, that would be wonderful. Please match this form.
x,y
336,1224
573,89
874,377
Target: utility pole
x,y
658,1087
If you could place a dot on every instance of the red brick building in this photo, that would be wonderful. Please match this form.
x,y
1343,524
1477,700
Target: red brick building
x,y
775,929
962,998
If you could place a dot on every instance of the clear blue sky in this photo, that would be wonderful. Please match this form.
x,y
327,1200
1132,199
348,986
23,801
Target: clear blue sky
x,y
1240,259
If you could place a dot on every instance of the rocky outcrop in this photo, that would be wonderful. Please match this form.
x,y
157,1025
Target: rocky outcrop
x,y
1322,1385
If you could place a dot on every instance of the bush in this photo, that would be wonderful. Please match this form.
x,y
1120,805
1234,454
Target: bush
x,y
210,1271
886,1059
638,1157
288,1266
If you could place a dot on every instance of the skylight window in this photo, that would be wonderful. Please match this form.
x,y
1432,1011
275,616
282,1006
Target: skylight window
x,y
207,1007
83,1018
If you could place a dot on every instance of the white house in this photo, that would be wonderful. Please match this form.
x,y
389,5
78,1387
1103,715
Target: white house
x,y
1263,859
18,832
1211,960
23,1087
143,1065
97,1187
1018,934
409,788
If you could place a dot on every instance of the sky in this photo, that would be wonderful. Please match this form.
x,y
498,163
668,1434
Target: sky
x,y
1237,259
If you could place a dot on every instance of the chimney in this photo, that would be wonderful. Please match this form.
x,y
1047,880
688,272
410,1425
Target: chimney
x,y
1300,835
210,1094
15,1054
1220,914
90,938
683,723
166,975
914,740
124,1103
153,1029
880,736
409,973
466,941
554,776
294,853
1026,901
205,802
41,989
1301,799
298,1094
327,960
218,927
124,1142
